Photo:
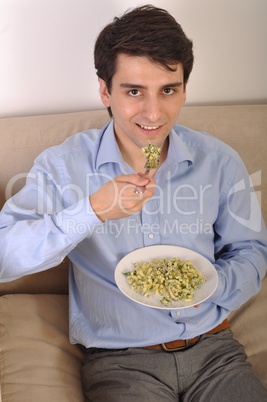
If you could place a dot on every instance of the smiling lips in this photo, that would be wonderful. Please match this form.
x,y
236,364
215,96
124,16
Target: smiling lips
x,y
149,128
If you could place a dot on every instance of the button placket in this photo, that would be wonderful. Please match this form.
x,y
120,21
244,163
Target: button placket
x,y
150,223
176,315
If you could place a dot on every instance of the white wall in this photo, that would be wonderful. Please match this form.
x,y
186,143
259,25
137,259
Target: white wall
x,y
46,51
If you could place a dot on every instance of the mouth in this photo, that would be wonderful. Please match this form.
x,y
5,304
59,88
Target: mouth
x,y
151,129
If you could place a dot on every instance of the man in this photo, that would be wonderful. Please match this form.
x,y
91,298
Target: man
x,y
88,198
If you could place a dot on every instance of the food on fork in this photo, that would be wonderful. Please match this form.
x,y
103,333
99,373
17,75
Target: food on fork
x,y
152,154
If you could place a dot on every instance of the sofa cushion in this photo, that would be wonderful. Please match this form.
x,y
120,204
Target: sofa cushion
x,y
249,326
38,364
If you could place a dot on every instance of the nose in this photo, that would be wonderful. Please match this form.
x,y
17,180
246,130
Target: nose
x,y
152,109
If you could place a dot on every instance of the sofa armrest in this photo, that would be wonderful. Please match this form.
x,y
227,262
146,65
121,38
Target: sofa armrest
x,y
51,281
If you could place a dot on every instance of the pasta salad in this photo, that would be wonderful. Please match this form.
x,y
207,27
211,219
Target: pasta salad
x,y
173,279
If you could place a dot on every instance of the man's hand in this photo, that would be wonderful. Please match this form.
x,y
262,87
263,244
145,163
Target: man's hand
x,y
117,198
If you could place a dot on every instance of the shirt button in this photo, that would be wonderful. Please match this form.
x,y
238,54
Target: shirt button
x,y
151,235
178,313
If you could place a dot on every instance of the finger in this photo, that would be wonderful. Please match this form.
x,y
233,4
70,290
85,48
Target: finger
x,y
134,179
139,190
146,191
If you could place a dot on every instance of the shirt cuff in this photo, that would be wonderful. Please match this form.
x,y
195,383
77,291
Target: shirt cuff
x,y
215,297
78,221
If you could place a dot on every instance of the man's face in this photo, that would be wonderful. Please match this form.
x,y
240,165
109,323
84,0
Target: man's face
x,y
145,100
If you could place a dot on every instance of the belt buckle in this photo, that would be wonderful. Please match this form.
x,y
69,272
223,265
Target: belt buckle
x,y
164,347
187,345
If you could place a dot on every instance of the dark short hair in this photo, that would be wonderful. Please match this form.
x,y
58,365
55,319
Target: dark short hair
x,y
144,31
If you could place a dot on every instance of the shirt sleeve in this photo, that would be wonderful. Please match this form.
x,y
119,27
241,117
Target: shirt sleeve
x,y
42,223
240,241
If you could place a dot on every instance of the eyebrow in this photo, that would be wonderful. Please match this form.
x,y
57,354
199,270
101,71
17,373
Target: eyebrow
x,y
130,85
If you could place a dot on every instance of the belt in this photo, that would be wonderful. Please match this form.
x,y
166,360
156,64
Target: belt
x,y
187,343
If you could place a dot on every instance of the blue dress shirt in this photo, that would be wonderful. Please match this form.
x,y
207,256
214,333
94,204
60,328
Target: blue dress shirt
x,y
204,201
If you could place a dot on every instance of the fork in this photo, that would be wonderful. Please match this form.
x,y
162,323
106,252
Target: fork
x,y
151,162
139,189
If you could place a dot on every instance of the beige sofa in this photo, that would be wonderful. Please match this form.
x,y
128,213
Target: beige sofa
x,y
37,362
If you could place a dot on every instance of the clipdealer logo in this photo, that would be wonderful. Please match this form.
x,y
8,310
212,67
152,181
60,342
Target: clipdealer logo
x,y
49,199
253,221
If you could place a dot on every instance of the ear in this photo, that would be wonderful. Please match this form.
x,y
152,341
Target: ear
x,y
104,94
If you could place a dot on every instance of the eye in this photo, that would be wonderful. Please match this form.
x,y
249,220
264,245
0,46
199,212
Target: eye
x,y
134,92
168,91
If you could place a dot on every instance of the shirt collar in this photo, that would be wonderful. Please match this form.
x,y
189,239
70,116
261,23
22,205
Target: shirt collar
x,y
178,150
109,151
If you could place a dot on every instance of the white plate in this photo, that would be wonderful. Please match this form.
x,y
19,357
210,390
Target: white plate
x,y
162,251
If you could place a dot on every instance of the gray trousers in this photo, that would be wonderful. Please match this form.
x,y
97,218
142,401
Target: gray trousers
x,y
213,370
